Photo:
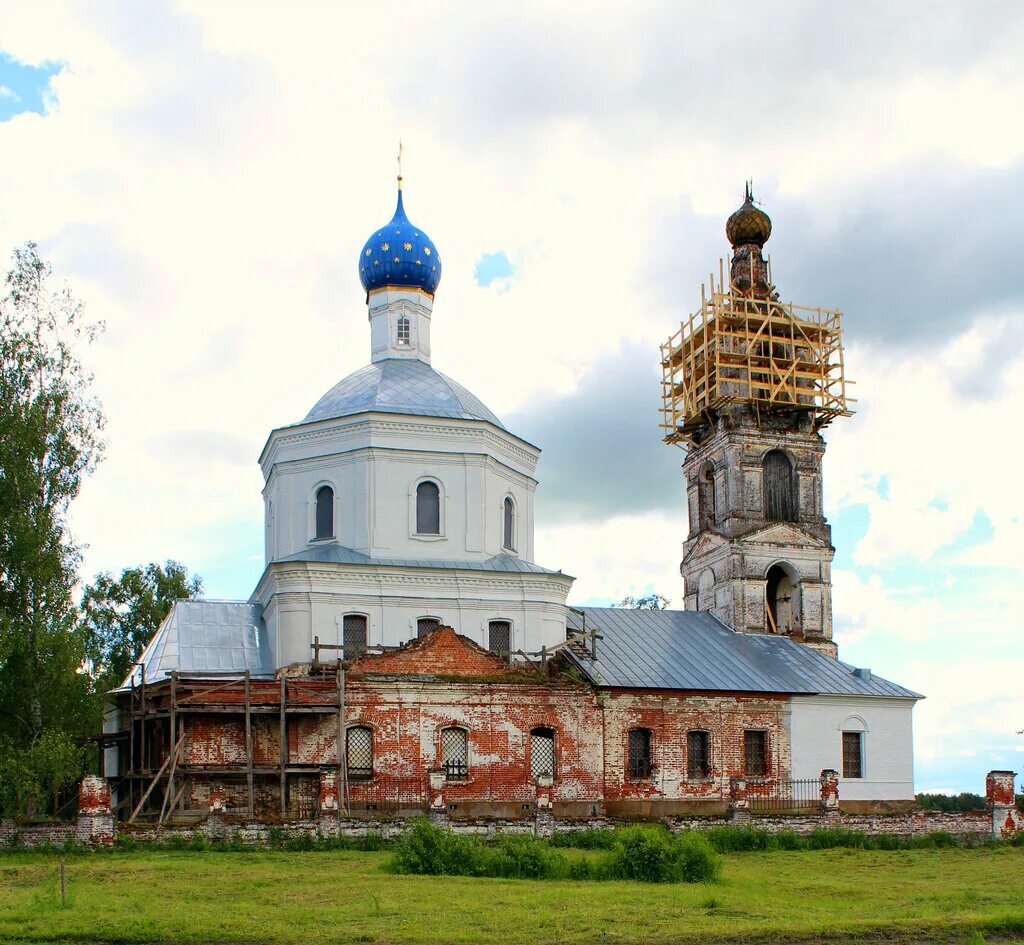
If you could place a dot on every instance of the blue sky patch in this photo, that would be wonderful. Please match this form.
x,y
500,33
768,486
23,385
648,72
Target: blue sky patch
x,y
25,88
493,266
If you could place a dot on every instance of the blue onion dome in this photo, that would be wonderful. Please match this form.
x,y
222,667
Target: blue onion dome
x,y
749,224
400,255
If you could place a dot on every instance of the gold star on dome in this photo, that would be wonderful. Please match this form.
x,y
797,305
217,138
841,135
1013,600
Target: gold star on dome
x,y
426,250
376,262
416,235
419,262
407,246
385,246
368,251
396,259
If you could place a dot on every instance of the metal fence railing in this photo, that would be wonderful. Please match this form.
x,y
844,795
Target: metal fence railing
x,y
785,794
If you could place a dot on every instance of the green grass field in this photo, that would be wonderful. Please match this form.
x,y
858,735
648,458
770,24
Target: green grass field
x,y
785,897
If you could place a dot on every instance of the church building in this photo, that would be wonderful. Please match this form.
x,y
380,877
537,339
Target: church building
x,y
402,641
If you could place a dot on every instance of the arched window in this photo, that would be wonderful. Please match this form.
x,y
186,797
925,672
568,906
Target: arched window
x,y
509,524
428,508
426,625
359,753
706,590
499,638
780,599
404,331
706,497
779,488
455,753
353,637
542,753
324,512
640,760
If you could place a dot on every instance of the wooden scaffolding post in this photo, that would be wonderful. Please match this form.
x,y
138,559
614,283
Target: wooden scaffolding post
x,y
248,742
283,759
173,741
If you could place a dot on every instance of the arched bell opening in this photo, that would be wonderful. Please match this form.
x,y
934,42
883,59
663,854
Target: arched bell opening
x,y
782,598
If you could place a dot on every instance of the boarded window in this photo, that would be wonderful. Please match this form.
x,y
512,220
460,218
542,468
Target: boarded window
x,y
499,638
354,636
698,754
779,488
359,753
508,530
454,753
755,754
542,753
426,625
324,512
404,331
640,763
706,497
428,509
853,755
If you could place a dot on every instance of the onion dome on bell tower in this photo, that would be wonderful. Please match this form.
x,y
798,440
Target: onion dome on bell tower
x,y
400,255
748,229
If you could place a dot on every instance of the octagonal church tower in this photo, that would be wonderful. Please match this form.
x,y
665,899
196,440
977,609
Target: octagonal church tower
x,y
401,502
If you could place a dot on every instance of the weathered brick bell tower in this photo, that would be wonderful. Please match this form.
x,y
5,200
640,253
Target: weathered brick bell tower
x,y
748,383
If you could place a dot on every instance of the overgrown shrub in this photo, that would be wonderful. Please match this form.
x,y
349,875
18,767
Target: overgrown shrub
x,y
602,839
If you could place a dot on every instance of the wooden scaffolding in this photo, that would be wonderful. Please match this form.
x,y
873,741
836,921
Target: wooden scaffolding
x,y
745,348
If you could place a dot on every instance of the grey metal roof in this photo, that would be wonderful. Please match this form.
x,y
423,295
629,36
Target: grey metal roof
x,y
400,385
686,649
340,554
206,636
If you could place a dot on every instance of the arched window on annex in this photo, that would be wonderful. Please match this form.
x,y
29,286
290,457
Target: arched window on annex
x,y
508,524
706,507
782,598
779,487
542,753
640,754
323,513
427,625
359,753
427,511
354,634
455,753
854,741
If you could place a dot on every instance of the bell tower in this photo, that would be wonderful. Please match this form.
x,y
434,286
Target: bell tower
x,y
748,382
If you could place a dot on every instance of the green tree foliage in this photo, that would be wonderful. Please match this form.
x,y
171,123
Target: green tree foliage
x,y
118,617
50,439
951,803
650,602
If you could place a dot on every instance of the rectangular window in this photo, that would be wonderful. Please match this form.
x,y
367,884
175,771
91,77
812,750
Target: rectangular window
x,y
698,755
755,754
359,753
853,755
542,753
499,638
426,625
455,753
354,636
640,765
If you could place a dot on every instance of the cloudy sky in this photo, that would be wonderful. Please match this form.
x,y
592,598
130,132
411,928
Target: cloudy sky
x,y
204,175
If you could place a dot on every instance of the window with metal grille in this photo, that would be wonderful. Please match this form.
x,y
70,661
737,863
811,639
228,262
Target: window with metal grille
x,y
755,754
455,753
404,331
542,753
428,509
499,638
853,754
698,754
359,753
354,636
508,532
426,625
324,512
640,762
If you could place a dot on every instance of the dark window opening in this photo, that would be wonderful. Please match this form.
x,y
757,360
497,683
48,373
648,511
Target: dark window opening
x,y
324,512
508,536
359,753
428,509
354,636
426,625
779,488
698,754
755,754
780,591
542,753
706,497
853,754
499,638
640,761
455,754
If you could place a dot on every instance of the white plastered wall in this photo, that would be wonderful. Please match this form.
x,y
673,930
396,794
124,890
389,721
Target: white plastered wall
x,y
817,724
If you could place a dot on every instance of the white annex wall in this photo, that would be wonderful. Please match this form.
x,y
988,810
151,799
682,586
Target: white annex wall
x,y
817,723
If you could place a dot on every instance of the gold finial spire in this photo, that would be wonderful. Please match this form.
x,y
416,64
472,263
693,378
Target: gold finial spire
x,y
399,163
